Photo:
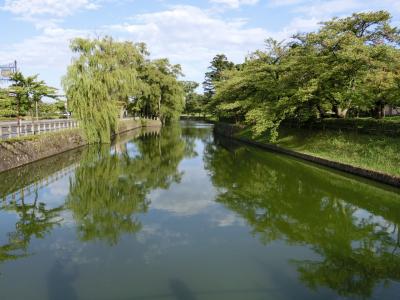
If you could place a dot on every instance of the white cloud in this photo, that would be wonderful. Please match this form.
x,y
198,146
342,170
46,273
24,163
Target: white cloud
x,y
235,3
188,35
192,36
328,8
47,54
58,8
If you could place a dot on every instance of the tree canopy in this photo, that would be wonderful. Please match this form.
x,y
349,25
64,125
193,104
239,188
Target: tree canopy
x,y
23,95
108,77
350,66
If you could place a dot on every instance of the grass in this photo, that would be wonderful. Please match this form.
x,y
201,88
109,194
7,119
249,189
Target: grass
x,y
373,152
34,137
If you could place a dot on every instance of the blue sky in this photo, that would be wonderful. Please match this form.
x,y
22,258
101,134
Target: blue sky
x,y
36,33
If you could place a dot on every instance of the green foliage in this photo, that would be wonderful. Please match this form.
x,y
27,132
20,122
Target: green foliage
x,y
34,219
99,79
342,142
219,64
109,77
110,190
193,100
24,95
387,126
161,93
29,90
7,107
215,75
349,65
284,200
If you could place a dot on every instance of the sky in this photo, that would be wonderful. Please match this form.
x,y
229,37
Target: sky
x,y
37,33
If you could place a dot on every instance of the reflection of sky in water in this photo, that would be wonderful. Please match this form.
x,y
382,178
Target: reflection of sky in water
x,y
195,194
189,247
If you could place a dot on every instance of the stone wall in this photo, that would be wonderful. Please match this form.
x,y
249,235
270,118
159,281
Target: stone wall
x,y
18,152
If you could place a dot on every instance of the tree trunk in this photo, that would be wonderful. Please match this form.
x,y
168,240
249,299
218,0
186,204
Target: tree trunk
x,y
379,109
340,112
343,112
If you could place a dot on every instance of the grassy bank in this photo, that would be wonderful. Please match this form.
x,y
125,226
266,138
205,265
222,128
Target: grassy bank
x,y
372,152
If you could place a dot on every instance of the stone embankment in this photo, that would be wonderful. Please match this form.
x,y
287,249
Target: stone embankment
x,y
18,152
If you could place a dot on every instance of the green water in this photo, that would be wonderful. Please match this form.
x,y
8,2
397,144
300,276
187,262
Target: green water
x,y
181,214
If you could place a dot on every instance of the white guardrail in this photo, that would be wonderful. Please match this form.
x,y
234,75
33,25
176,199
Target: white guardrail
x,y
11,129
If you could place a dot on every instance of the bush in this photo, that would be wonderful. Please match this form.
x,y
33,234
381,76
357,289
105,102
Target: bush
x,y
387,126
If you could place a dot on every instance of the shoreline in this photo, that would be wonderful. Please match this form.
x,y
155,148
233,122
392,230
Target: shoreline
x,y
17,153
229,130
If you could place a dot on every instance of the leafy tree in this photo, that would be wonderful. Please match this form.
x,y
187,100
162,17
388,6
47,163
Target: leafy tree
x,y
7,107
40,90
99,82
347,50
257,92
215,74
219,64
171,102
21,90
25,94
349,64
193,100
109,77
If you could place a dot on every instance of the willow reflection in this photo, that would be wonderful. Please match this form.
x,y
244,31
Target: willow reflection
x,y
34,219
110,189
355,235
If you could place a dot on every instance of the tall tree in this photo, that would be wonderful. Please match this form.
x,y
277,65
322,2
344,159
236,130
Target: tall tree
x,y
192,98
215,74
99,82
26,93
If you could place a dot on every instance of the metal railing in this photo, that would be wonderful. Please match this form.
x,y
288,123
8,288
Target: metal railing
x,y
13,129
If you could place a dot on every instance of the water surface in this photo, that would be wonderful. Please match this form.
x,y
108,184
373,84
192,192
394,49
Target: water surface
x,y
181,214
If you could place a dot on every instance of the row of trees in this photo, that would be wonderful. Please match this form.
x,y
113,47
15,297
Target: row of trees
x,y
349,67
108,78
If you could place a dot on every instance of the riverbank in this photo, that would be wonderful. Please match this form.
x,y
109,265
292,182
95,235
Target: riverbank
x,y
18,152
373,157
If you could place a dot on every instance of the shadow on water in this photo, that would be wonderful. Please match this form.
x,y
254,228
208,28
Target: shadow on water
x,y
60,282
180,290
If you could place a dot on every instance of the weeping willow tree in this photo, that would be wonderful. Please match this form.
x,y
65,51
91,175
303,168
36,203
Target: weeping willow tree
x,y
99,82
108,77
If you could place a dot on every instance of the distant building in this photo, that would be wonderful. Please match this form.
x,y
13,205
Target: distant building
x,y
391,110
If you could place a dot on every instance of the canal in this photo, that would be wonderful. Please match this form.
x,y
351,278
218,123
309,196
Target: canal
x,y
181,214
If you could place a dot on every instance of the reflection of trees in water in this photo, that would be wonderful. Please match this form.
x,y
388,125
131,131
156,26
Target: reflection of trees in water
x,y
19,193
191,131
33,220
106,193
109,190
282,199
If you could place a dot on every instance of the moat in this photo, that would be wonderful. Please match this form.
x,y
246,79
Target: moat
x,y
178,213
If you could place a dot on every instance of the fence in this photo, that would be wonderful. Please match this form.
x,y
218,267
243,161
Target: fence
x,y
12,129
